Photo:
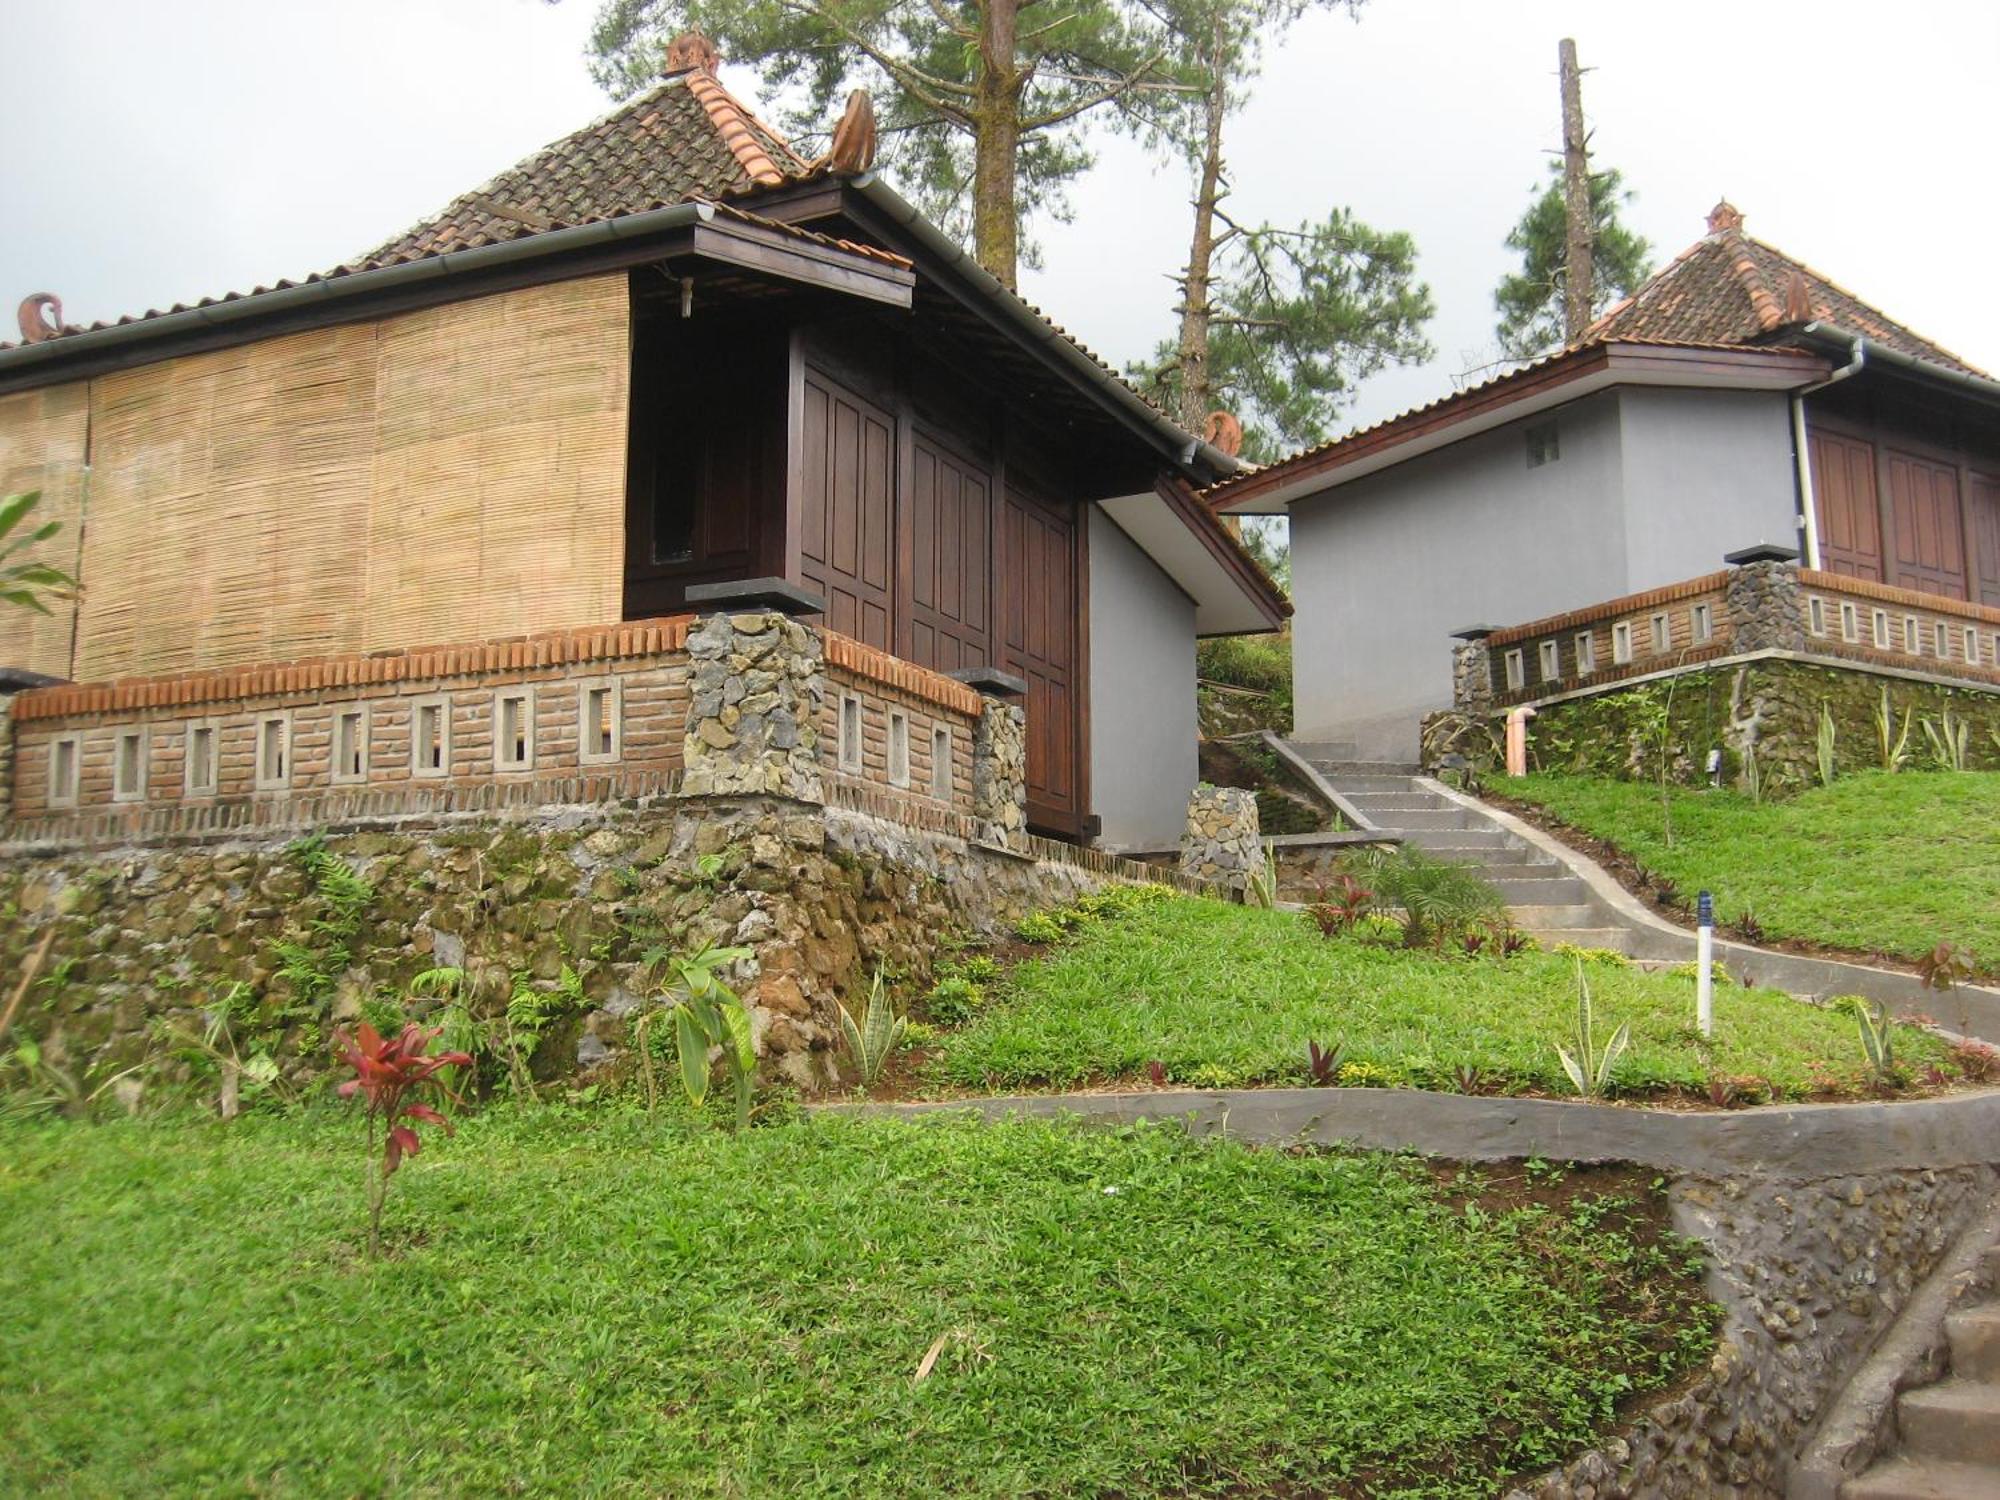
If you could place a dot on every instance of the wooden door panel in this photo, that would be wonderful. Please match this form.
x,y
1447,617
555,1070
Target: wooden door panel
x,y
1983,501
951,557
1845,505
1038,610
847,507
1927,548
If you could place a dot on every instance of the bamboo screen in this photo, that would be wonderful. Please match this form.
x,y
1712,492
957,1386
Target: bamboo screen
x,y
450,474
44,444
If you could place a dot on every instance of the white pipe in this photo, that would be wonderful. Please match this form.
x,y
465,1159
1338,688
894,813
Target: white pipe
x,y
1857,350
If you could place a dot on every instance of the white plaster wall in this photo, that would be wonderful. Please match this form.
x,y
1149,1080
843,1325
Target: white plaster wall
x,y
1706,472
1143,728
1385,568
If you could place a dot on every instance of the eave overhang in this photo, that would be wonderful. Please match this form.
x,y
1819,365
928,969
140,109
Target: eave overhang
x,y
1232,595
1540,387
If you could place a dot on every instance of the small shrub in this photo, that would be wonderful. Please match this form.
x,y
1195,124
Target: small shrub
x,y
1976,1061
1467,1079
1945,967
1040,927
1323,1064
1748,927
1156,1073
1338,910
1439,899
706,1013
1878,1037
953,1000
393,1074
1366,1075
1894,746
1608,957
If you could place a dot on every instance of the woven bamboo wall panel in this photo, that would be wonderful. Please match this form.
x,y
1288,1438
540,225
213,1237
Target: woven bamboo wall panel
x,y
44,442
447,474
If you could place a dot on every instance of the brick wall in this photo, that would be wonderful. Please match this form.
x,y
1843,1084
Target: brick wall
x,y
1857,620
1620,638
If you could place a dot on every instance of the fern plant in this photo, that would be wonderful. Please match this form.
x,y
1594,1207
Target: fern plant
x,y
872,1042
1894,743
1589,1068
1439,899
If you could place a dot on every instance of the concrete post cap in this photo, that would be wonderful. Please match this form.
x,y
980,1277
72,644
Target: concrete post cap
x,y
754,593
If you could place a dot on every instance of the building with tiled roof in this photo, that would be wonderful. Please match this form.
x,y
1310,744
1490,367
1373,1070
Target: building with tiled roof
x,y
665,354
1738,396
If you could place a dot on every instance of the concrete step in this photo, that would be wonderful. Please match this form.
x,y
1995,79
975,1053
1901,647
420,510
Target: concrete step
x,y
1502,859
1440,817
1974,1333
1403,801
1913,1479
1956,1421
1556,887
1349,786
1455,840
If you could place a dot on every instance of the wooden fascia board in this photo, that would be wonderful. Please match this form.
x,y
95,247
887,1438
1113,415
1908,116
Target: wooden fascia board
x,y
1199,519
773,253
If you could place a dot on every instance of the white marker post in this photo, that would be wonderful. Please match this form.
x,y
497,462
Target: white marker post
x,y
1704,948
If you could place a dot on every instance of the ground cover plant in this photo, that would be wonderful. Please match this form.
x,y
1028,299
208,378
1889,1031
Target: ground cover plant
x,y
585,1303
1221,995
1873,863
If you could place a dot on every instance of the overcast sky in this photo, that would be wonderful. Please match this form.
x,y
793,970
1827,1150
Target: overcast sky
x,y
158,151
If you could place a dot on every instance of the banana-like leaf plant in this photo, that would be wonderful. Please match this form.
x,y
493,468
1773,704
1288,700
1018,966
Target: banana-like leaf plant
x,y
708,1013
26,584
1588,1068
873,1042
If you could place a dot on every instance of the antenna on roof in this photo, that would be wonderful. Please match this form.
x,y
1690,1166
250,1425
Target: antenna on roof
x,y
691,52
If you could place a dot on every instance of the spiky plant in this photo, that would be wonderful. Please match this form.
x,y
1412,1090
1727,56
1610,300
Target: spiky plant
x,y
872,1042
1895,745
1589,1068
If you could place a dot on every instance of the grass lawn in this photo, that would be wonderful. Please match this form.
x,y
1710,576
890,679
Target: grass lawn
x,y
1875,862
583,1304
1228,995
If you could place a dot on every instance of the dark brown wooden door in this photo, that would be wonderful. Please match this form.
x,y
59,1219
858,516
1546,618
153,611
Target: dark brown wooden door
x,y
1037,605
847,510
948,530
1927,531
1982,500
1849,517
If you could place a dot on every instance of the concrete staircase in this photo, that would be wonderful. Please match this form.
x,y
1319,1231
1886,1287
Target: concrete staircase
x,y
1543,898
1950,1431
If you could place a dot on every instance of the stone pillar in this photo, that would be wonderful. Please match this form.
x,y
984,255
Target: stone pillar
x,y
1764,602
755,685
1000,775
1221,841
1473,671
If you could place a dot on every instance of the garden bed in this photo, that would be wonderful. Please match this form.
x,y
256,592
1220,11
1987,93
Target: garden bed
x,y
582,1302
1878,868
1181,992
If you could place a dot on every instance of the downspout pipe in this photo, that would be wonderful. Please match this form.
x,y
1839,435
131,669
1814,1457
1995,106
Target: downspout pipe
x,y
1857,356
330,289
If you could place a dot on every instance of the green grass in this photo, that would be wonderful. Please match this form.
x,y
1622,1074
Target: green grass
x,y
1876,862
1228,995
580,1304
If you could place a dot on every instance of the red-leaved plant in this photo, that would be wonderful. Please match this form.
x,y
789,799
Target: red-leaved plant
x,y
393,1074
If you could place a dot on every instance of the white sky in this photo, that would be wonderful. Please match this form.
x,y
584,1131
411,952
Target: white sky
x,y
157,150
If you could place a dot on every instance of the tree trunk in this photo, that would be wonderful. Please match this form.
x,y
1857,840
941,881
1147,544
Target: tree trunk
x,y
1192,352
996,141
1578,275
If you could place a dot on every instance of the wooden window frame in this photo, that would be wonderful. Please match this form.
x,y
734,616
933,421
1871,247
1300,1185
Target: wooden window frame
x,y
941,758
208,733
338,772
439,704
587,691
140,741
265,776
65,790
506,760
850,730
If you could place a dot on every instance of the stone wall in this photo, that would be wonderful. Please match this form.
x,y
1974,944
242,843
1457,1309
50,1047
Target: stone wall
x,y
756,684
150,939
1809,1275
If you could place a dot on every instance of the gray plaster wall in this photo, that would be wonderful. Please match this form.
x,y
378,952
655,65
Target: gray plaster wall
x,y
1385,568
1652,485
1143,728
1705,472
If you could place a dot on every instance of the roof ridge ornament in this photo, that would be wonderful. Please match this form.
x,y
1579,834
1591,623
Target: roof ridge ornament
x,y
1724,217
853,149
1798,298
41,317
1223,433
692,52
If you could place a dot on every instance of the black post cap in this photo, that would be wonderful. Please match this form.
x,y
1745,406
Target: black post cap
x,y
991,681
754,593
1474,632
1761,552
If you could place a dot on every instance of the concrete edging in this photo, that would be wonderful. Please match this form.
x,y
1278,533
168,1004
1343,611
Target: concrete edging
x,y
1655,937
1323,789
1800,1141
